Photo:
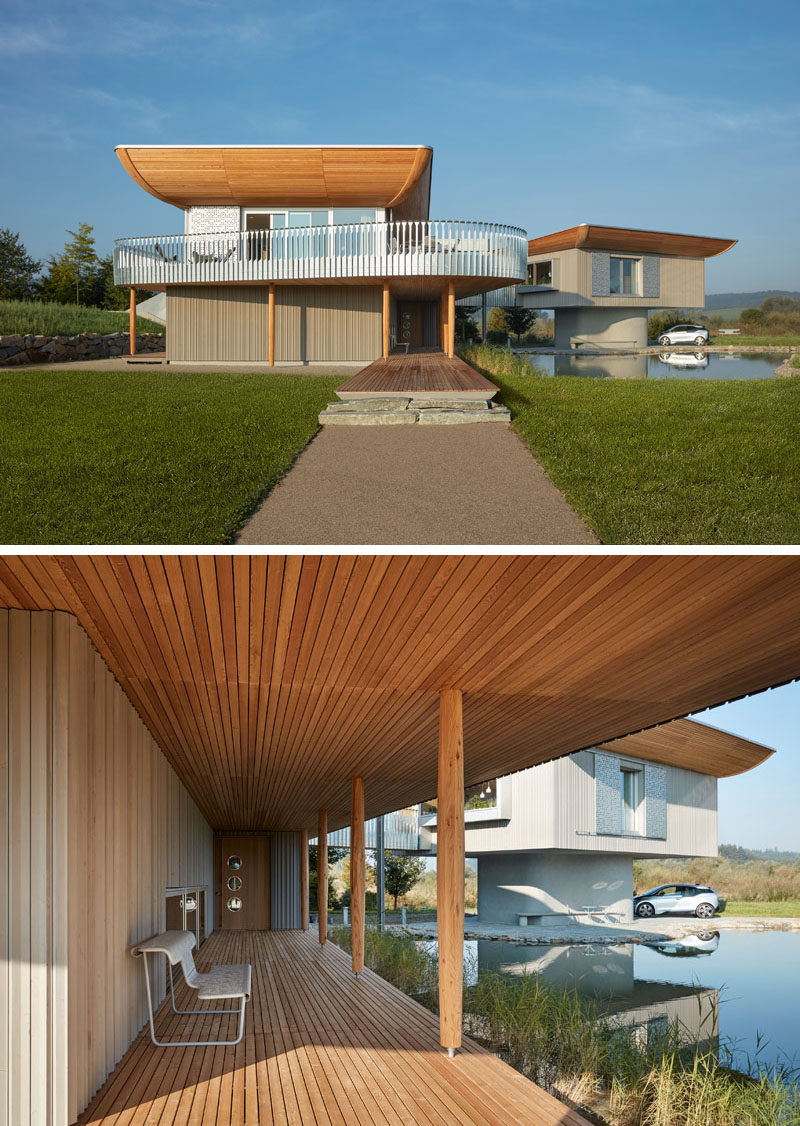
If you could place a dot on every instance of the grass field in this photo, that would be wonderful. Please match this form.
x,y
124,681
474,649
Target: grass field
x,y
146,456
663,462
757,341
46,318
780,909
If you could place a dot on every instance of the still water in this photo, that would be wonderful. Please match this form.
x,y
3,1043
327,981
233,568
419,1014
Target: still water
x,y
731,987
664,365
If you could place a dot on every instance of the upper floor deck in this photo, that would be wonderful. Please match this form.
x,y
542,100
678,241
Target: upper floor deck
x,y
445,248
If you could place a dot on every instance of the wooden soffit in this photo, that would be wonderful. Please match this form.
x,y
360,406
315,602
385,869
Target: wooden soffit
x,y
694,746
271,176
270,681
627,240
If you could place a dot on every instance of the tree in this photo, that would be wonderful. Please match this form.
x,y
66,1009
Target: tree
x,y
401,873
466,329
17,268
519,320
334,856
752,316
781,304
72,274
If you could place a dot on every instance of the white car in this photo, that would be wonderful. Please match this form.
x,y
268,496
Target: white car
x,y
685,334
677,899
684,359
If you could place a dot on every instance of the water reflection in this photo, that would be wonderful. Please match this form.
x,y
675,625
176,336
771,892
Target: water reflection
x,y
664,365
690,946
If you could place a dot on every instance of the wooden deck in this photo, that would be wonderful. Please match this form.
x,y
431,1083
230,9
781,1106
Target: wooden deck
x,y
319,1047
424,372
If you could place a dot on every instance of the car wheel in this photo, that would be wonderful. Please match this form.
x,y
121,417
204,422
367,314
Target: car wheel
x,y
645,910
700,340
704,911
664,340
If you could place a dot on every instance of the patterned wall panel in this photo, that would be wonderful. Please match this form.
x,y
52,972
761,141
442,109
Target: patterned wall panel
x,y
607,783
212,220
601,273
651,276
655,801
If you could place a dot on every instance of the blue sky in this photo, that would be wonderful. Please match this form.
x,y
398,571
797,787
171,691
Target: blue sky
x,y
761,809
683,116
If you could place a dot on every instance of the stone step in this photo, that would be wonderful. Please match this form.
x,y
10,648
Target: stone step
x,y
398,411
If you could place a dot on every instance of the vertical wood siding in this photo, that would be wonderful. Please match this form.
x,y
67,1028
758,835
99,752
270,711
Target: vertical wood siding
x,y
93,817
217,323
681,282
328,323
285,884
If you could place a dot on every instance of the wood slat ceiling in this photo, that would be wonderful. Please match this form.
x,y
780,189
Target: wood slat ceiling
x,y
269,681
588,236
252,176
685,741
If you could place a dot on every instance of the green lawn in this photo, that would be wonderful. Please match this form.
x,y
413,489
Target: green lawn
x,y
757,341
782,909
146,456
668,462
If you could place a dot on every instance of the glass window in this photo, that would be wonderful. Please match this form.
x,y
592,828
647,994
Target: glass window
x,y
234,863
624,276
234,903
354,214
631,799
234,883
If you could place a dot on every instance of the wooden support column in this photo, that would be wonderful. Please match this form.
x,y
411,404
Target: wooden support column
x,y
451,318
132,321
443,321
386,319
322,875
357,875
271,326
304,879
450,867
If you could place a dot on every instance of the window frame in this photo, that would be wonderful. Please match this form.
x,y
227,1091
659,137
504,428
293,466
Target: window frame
x,y
636,275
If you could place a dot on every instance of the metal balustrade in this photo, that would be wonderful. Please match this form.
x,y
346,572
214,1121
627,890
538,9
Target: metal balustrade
x,y
442,247
401,831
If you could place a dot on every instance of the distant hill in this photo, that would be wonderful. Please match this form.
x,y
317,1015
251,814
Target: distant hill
x,y
745,300
741,855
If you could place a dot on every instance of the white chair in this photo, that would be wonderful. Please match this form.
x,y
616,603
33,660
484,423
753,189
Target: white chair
x,y
221,983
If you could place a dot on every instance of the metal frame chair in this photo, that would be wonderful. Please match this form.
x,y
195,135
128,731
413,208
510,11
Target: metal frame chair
x,y
221,983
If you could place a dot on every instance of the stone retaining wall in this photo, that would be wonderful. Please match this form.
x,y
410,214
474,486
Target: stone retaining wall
x,y
32,349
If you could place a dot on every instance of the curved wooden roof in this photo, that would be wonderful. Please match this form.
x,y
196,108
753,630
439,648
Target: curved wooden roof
x,y
628,240
273,176
269,681
695,746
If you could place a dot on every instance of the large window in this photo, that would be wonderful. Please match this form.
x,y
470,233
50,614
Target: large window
x,y
625,278
631,799
540,273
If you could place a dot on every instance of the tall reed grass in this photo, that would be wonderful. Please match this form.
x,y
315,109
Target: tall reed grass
x,y
499,361
567,1043
48,318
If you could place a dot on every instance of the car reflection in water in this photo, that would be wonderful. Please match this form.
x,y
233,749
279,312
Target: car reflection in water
x,y
694,360
690,946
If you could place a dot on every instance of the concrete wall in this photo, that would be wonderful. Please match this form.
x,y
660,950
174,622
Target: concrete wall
x,y
591,327
512,883
99,826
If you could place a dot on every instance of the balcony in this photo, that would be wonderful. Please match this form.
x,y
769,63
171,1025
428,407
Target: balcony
x,y
436,248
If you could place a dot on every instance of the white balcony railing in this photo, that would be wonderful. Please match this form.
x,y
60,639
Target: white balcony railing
x,y
443,247
401,830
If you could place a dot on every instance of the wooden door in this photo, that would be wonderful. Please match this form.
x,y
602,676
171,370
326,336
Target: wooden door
x,y
409,323
243,883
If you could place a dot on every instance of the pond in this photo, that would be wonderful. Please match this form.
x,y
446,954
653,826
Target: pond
x,y
664,365
739,987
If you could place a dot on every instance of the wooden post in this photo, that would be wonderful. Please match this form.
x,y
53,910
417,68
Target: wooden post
x,y
357,875
443,321
450,867
271,325
322,875
451,318
304,879
132,321
386,317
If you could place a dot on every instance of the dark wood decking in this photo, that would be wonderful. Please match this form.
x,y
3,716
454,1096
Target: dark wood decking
x,y
319,1047
417,372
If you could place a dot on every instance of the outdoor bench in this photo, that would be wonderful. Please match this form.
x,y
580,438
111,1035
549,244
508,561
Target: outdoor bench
x,y
221,983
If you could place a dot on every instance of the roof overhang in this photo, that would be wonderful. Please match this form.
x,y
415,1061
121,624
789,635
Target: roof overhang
x,y
270,681
276,175
693,746
628,240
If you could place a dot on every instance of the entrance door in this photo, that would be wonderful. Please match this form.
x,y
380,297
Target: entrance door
x,y
409,323
243,883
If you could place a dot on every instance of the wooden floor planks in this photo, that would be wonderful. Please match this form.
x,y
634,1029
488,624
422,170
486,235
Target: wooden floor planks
x,y
417,371
319,1047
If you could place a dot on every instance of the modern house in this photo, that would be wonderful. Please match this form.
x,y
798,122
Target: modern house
x,y
301,254
173,728
559,840
601,281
